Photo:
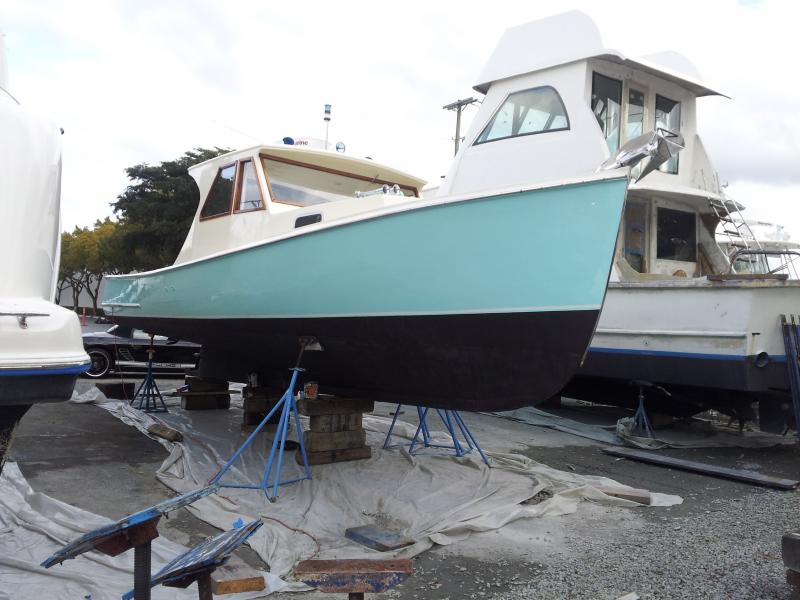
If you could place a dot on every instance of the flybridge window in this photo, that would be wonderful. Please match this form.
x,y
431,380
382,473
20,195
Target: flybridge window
x,y
305,185
676,235
537,110
607,107
668,116
221,194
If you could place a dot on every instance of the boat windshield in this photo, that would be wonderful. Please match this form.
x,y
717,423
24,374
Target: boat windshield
x,y
306,185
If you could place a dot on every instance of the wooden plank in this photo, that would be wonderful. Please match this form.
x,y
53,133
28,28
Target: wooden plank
x,y
751,477
334,405
793,578
167,433
353,575
235,577
376,538
340,440
334,456
790,550
633,494
748,277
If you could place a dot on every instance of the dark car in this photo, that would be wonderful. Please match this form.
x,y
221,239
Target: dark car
x,y
123,349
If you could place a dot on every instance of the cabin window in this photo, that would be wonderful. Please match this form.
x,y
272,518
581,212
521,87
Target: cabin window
x,y
305,185
250,193
607,107
219,198
676,235
537,110
636,235
668,116
634,124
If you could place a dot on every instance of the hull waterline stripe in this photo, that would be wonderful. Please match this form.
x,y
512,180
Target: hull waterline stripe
x,y
694,355
526,309
45,371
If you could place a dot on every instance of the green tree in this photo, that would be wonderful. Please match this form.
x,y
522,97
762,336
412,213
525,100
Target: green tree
x,y
156,210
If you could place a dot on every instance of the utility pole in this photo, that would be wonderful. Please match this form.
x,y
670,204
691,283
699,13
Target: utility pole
x,y
458,106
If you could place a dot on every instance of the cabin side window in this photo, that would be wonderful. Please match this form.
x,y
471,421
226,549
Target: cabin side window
x,y
249,190
636,235
537,110
305,185
607,107
676,235
668,116
634,123
220,197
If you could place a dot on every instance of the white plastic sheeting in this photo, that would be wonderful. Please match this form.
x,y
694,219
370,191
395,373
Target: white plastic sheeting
x,y
33,526
429,498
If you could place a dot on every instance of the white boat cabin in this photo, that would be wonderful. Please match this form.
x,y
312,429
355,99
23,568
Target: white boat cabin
x,y
553,91
267,191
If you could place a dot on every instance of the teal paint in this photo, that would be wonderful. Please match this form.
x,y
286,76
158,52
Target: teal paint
x,y
542,249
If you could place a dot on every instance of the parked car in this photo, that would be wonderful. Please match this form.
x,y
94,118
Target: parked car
x,y
124,349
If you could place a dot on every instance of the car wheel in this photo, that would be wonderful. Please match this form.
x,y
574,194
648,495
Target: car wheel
x,y
101,363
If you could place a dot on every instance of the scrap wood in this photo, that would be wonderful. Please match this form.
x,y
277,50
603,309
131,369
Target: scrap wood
x,y
377,538
166,432
631,596
752,477
632,494
236,576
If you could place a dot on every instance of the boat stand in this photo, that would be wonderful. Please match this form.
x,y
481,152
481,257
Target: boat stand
x,y
641,422
271,479
148,394
453,423
791,341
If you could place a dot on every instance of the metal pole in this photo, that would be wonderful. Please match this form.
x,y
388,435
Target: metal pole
x,y
141,572
458,127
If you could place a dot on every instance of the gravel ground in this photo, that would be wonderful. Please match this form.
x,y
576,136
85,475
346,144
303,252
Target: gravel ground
x,y
722,542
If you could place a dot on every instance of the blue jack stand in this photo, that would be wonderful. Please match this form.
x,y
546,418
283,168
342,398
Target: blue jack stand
x,y
641,422
288,407
453,423
148,393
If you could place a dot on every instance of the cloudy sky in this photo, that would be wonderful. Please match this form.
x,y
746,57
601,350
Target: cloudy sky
x,y
135,81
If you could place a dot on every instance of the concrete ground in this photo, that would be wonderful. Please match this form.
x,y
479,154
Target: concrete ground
x,y
722,542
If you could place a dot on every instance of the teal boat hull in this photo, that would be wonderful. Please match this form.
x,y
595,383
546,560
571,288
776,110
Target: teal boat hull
x,y
479,304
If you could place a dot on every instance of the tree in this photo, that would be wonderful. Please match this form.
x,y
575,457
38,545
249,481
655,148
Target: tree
x,y
156,210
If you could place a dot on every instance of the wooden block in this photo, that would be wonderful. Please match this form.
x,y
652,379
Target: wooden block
x,y
333,456
204,384
260,404
793,578
235,576
333,405
334,423
634,495
790,549
339,440
128,538
205,401
168,433
376,538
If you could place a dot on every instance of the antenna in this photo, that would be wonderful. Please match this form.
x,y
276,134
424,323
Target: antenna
x,y
327,123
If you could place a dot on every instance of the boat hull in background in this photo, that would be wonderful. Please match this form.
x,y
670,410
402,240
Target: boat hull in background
x,y
481,303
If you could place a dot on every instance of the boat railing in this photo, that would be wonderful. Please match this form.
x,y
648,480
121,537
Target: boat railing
x,y
787,260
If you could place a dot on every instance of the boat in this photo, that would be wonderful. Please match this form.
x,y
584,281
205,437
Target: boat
x,y
692,312
41,353
453,301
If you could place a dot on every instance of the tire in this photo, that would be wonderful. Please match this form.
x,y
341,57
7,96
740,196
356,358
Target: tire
x,y
102,363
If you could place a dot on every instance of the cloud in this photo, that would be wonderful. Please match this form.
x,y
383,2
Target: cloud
x,y
142,81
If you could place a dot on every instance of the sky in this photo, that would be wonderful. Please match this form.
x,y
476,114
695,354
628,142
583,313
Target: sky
x,y
133,81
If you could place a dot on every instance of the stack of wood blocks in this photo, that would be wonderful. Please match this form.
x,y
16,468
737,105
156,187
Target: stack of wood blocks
x,y
205,394
257,402
335,430
790,549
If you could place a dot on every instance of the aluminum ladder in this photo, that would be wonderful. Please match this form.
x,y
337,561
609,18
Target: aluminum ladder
x,y
734,226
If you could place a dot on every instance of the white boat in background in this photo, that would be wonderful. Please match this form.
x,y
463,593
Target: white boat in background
x,y
41,353
679,313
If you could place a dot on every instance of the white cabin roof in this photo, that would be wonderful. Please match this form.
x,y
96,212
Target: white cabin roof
x,y
324,159
540,45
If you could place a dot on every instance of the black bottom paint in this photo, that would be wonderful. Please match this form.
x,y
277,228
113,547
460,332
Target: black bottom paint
x,y
498,361
34,389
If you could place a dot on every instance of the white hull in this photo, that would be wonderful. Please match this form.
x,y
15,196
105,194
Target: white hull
x,y
41,352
